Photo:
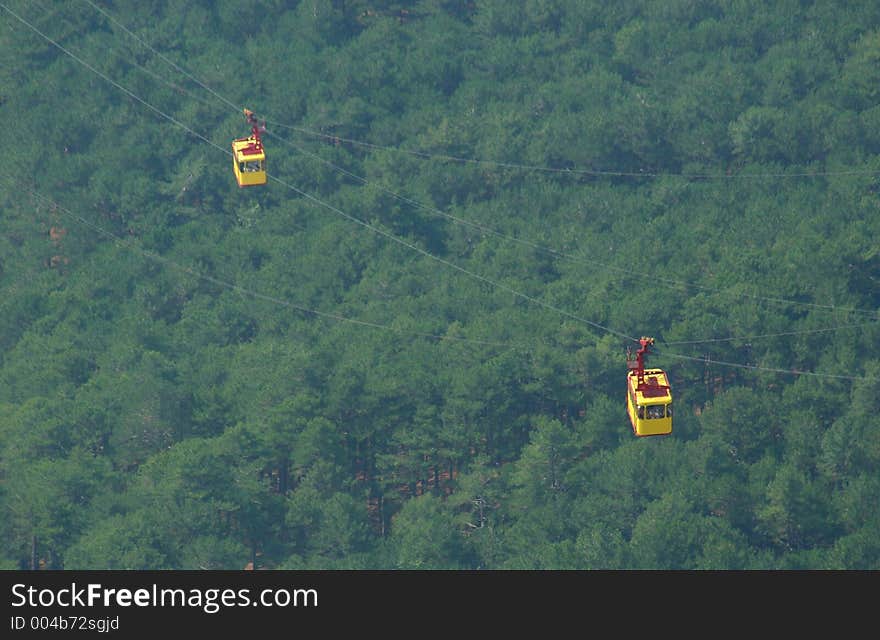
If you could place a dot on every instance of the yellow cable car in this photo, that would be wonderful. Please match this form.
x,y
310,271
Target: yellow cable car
x,y
649,397
248,155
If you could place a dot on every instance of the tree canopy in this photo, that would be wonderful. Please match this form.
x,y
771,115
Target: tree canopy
x,y
407,349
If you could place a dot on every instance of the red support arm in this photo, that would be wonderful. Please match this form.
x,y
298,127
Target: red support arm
x,y
256,128
639,363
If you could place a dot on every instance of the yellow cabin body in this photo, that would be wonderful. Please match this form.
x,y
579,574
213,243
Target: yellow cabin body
x,y
649,408
249,162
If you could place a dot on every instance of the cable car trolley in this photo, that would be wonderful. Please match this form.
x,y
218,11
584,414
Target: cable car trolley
x,y
248,155
648,398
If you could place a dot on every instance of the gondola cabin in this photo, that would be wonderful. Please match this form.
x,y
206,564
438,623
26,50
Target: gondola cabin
x,y
249,157
649,397
249,162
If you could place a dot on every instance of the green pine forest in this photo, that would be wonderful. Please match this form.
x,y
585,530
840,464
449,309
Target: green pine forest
x,y
408,349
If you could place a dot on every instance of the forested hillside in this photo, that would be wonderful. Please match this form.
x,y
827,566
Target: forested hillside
x,y
407,350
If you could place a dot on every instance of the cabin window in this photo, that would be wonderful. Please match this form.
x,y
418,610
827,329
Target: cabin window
x,y
254,165
655,411
668,410
641,412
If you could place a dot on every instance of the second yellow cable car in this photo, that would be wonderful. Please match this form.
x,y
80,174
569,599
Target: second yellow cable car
x,y
248,155
648,397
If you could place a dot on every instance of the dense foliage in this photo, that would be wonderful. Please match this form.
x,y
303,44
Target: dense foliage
x,y
397,356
